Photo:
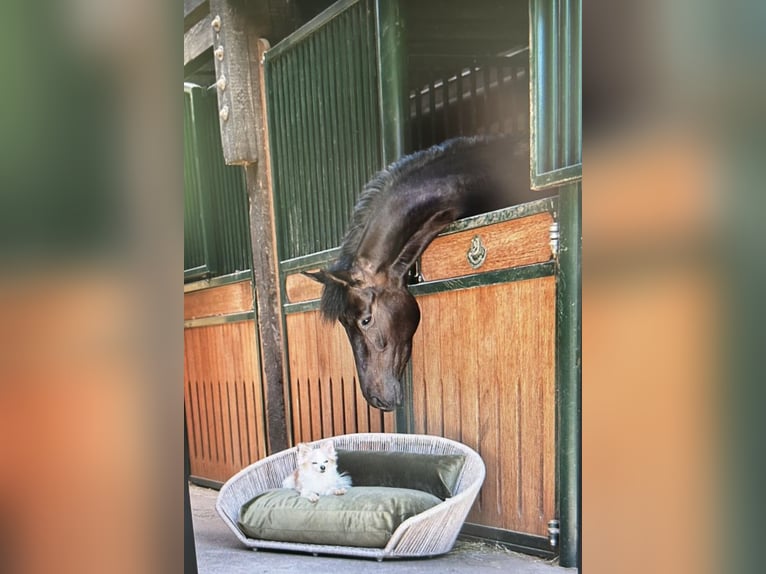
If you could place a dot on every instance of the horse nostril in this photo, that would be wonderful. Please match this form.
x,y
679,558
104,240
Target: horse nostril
x,y
379,404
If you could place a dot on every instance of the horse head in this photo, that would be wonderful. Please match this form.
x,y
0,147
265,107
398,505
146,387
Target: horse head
x,y
380,318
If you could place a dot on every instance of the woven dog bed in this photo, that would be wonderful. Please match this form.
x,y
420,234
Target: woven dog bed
x,y
429,533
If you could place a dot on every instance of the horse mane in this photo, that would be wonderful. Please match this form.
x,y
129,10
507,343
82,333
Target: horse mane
x,y
378,190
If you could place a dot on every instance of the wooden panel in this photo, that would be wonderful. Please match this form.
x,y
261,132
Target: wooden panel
x,y
508,244
232,298
223,398
325,397
484,374
300,288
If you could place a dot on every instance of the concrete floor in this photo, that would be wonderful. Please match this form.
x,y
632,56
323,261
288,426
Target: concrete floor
x,y
219,552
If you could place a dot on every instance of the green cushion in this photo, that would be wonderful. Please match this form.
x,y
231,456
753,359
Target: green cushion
x,y
364,516
434,473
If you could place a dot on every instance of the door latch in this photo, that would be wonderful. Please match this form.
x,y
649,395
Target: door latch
x,y
553,533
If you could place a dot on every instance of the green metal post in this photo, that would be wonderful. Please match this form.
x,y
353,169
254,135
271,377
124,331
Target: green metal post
x,y
392,78
392,110
569,372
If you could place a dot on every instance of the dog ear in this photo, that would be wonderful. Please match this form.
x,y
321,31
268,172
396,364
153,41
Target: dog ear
x,y
303,450
328,448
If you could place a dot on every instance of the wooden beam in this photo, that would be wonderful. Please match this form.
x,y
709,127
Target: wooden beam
x,y
198,39
236,77
266,270
193,11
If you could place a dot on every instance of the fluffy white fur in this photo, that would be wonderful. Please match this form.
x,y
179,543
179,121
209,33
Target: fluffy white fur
x,y
317,473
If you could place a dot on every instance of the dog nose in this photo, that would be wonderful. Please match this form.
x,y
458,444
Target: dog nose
x,y
321,468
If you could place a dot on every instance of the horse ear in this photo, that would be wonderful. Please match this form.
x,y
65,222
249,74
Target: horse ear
x,y
327,277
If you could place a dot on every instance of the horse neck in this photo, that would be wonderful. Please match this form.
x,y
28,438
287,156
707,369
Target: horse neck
x,y
410,219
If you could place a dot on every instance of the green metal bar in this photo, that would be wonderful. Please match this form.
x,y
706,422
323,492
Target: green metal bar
x,y
235,277
569,372
575,63
301,307
392,78
566,72
329,96
555,92
196,272
309,28
459,102
558,177
551,143
537,84
220,319
309,261
344,169
356,109
547,204
199,121
343,44
305,143
533,271
370,127
315,147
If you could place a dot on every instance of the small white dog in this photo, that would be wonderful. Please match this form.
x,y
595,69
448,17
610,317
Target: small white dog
x,y
317,473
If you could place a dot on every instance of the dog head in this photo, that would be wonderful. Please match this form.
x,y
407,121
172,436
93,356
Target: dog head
x,y
320,459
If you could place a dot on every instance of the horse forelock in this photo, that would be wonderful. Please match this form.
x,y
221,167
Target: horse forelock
x,y
334,301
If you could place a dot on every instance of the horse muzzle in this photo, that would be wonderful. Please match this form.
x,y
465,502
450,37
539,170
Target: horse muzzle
x,y
388,398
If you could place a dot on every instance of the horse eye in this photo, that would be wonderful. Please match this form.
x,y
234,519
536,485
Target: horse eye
x,y
365,321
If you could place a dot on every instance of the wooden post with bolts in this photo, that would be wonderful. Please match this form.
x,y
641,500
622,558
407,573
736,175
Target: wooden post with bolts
x,y
238,53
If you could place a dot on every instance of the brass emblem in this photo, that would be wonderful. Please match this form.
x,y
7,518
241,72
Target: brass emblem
x,y
477,253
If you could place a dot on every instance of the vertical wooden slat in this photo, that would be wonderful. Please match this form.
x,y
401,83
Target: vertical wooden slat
x,y
418,366
302,375
362,412
469,341
452,358
389,422
433,376
337,406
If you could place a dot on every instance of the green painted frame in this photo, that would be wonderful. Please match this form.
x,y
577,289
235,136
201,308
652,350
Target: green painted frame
x,y
199,236
555,51
556,162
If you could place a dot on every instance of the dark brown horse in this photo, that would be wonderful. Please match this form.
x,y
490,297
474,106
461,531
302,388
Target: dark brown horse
x,y
401,210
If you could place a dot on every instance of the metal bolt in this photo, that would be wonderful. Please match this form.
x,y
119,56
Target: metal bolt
x,y
553,533
221,83
224,113
553,230
216,23
219,52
